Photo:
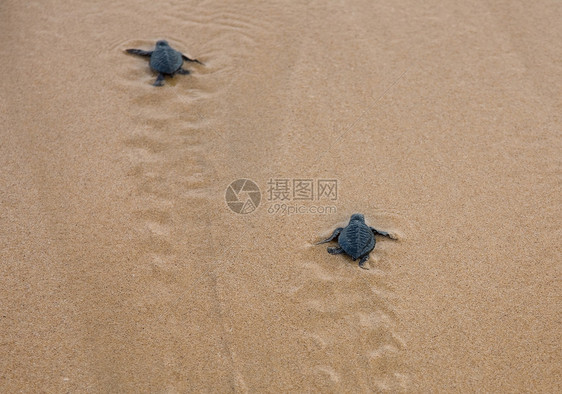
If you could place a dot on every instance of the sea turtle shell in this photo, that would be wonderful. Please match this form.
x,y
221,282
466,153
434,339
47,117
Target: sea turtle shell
x,y
357,239
165,59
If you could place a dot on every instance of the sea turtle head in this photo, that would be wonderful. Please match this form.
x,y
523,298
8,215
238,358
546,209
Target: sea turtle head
x,y
357,216
162,43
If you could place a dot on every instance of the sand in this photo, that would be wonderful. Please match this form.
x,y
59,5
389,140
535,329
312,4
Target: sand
x,y
123,269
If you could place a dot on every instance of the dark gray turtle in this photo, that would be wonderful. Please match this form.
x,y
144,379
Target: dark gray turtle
x,y
164,60
356,239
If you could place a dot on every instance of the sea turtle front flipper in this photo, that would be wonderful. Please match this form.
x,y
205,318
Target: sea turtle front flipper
x,y
187,59
183,72
363,262
334,235
383,233
139,52
160,80
335,250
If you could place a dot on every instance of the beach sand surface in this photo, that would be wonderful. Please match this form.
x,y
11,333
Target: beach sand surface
x,y
123,269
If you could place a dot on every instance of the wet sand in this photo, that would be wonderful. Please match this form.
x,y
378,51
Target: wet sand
x,y
124,270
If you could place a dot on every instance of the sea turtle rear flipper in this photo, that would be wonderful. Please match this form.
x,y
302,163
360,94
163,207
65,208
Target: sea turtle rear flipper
x,y
139,52
363,262
183,72
335,250
191,60
334,235
160,80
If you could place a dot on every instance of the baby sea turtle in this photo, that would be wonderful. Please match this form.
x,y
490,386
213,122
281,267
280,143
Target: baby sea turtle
x,y
356,239
165,60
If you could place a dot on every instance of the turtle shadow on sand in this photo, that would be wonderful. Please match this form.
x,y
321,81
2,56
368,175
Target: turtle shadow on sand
x,y
356,239
165,60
